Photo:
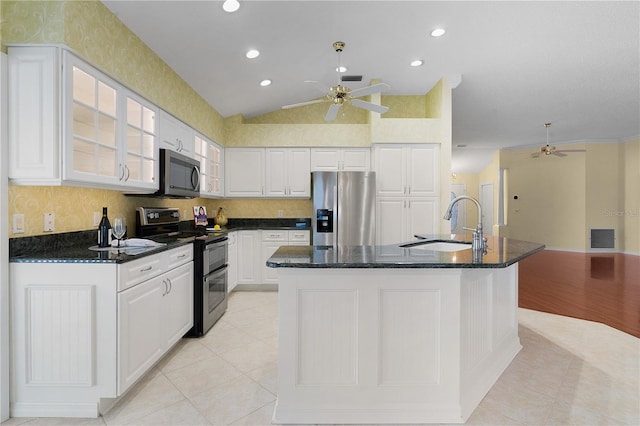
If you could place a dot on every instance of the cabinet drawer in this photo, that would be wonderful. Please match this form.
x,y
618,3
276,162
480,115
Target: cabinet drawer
x,y
299,237
179,256
275,236
137,271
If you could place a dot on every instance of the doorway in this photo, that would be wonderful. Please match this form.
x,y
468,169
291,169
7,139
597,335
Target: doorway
x,y
486,201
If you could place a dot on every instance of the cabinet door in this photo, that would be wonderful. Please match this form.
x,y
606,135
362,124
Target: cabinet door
x,y
422,217
34,145
175,135
210,156
356,159
423,171
232,270
325,159
390,170
139,154
140,338
177,303
244,172
390,220
269,275
91,125
299,172
249,257
276,182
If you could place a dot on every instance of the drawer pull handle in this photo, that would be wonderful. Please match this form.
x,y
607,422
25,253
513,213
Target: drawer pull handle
x,y
148,268
182,255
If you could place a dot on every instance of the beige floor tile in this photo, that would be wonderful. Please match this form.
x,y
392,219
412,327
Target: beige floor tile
x,y
220,340
484,416
187,352
564,414
260,417
181,413
236,399
266,376
148,396
524,405
203,375
251,357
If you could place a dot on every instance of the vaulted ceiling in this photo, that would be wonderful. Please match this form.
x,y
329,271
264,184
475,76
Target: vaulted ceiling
x,y
573,63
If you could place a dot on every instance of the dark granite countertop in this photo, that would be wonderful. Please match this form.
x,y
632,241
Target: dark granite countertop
x,y
74,247
501,252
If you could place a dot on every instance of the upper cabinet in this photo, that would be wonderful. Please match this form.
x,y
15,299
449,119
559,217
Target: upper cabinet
x,y
211,164
407,170
287,172
267,172
340,159
176,135
70,123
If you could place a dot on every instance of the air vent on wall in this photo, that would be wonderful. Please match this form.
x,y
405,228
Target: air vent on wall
x,y
603,238
351,78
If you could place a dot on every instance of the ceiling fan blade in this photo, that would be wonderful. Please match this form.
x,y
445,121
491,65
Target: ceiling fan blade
x,y
321,87
535,155
315,101
571,150
332,113
370,106
364,91
558,154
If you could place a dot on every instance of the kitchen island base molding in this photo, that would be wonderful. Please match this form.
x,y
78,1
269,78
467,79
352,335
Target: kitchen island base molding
x,y
392,345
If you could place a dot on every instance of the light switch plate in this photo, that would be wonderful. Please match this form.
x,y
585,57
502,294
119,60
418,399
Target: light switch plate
x,y
18,223
49,222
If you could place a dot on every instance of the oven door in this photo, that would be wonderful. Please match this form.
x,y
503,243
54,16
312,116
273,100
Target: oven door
x,y
214,301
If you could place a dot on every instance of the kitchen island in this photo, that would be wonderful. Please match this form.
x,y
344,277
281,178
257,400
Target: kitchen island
x,y
392,334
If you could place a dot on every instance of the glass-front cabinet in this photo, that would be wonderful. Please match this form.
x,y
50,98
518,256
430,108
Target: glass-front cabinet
x,y
110,132
210,156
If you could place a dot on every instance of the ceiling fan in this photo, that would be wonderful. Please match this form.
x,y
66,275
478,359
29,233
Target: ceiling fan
x,y
551,150
339,95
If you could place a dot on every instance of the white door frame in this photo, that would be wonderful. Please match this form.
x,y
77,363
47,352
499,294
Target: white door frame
x,y
487,208
4,246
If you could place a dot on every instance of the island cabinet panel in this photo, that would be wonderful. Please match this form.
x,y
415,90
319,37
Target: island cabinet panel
x,y
392,345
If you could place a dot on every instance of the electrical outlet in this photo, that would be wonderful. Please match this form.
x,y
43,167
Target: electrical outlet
x,y
280,213
96,218
18,223
49,222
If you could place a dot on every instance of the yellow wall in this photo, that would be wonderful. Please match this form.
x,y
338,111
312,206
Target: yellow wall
x,y
470,180
631,222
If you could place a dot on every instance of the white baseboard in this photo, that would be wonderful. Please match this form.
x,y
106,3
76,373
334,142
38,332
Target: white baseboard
x,y
53,409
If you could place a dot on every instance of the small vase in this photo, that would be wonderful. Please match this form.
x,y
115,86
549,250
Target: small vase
x,y
221,218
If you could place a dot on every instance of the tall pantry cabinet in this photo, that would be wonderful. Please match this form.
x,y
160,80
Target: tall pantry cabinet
x,y
407,191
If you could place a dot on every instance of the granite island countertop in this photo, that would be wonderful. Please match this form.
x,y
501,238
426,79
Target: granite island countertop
x,y
501,253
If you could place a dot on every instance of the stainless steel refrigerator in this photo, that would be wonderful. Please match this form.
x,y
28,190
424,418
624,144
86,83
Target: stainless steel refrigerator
x,y
344,206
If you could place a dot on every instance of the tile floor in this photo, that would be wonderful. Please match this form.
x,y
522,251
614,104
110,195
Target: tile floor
x,y
569,371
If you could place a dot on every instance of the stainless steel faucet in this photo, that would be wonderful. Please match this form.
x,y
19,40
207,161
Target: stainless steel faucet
x,y
479,243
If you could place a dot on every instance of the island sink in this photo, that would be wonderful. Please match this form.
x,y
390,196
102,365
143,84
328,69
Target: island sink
x,y
438,245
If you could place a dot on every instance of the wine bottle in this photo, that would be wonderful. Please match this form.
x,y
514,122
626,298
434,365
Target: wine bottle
x,y
104,230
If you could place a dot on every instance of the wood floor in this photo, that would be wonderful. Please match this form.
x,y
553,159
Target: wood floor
x,y
596,287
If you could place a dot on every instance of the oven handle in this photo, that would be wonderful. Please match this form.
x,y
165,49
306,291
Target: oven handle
x,y
216,272
213,246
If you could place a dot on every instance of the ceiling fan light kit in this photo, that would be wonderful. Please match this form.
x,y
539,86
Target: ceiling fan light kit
x,y
339,94
551,150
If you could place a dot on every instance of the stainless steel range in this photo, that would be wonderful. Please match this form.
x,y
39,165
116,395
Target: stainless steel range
x,y
210,253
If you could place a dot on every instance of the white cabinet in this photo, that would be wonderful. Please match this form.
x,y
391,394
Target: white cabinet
x,y
72,124
407,188
154,314
288,172
209,154
232,270
399,219
340,159
407,170
249,270
271,241
270,172
244,172
175,135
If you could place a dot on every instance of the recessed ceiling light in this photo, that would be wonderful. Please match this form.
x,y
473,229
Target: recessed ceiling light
x,y
438,32
265,83
231,5
416,63
253,53
341,69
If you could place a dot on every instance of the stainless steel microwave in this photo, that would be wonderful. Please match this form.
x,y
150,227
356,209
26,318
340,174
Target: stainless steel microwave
x,y
179,175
